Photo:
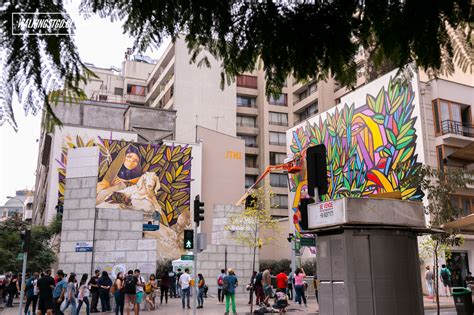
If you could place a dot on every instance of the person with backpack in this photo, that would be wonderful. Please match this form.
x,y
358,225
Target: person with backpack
x,y
70,294
150,288
45,287
201,288
220,283
31,293
117,291
83,295
230,283
445,277
104,283
130,292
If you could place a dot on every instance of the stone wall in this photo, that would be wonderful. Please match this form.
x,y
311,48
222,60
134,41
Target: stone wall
x,y
116,234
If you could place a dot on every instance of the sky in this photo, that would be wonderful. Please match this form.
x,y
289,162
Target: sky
x,y
99,42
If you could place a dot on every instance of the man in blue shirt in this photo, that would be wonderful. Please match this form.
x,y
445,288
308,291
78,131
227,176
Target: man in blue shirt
x,y
58,292
31,293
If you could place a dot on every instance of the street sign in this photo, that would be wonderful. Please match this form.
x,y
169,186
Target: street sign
x,y
308,241
20,256
297,245
151,227
187,257
84,247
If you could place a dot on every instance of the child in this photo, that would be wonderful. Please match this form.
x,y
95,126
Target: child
x,y
281,301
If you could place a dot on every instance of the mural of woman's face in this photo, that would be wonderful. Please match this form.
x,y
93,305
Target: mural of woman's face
x,y
131,160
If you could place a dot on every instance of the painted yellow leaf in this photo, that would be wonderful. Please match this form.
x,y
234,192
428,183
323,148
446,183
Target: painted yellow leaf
x,y
169,177
169,207
179,170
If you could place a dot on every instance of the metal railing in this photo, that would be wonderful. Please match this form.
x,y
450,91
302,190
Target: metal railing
x,y
277,143
278,123
246,105
251,145
457,127
242,124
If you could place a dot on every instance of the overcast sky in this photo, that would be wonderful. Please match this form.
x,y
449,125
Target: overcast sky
x,y
100,42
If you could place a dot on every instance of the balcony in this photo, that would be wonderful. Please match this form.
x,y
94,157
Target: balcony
x,y
299,105
247,128
278,123
456,133
251,171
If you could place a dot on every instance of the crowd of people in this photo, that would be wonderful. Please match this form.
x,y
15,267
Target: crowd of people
x,y
63,293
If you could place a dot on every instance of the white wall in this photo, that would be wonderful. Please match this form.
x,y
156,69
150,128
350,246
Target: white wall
x,y
198,98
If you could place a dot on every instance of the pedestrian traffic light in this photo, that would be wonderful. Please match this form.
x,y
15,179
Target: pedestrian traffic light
x,y
26,238
198,210
188,239
316,170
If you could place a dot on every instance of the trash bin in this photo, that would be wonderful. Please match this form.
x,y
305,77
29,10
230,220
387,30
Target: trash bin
x,y
462,300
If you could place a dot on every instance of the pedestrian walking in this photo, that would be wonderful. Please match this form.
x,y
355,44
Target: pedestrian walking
x,y
230,283
94,287
316,283
445,277
267,285
201,289
12,289
31,293
178,285
83,295
71,295
299,286
184,283
259,288
104,283
291,282
172,282
130,292
220,283
58,292
165,286
150,288
251,286
118,292
45,287
429,277
140,287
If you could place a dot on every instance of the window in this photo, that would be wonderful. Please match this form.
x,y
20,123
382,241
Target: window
x,y
247,81
250,141
302,95
277,158
118,91
439,155
280,119
451,117
277,138
250,161
246,121
250,180
278,180
464,203
312,88
279,101
246,101
135,89
102,97
309,111
280,201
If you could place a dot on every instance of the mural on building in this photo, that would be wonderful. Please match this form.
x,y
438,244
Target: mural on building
x,y
367,145
150,178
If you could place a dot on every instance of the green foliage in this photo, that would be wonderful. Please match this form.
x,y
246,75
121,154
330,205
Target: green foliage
x,y
276,265
309,267
308,40
40,256
161,265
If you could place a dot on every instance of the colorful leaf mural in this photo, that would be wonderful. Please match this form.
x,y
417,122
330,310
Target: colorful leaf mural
x,y
365,145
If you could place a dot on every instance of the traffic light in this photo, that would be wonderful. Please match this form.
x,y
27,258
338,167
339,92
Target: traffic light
x,y
26,238
198,210
316,169
188,239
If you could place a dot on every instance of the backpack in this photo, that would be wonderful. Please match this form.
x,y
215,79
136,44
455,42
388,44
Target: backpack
x,y
220,281
444,275
130,286
148,288
258,279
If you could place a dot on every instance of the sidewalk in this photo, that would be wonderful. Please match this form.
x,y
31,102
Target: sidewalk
x,y
444,302
211,307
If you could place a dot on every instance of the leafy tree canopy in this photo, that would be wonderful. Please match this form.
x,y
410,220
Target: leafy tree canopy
x,y
310,39
41,254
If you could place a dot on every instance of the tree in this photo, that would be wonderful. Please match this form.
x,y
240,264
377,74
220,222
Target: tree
x,y
245,226
310,39
41,254
439,186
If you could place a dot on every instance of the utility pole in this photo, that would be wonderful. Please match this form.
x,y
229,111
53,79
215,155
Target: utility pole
x,y
26,236
195,268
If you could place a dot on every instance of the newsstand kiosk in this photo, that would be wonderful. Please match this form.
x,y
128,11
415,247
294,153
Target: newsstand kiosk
x,y
367,256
